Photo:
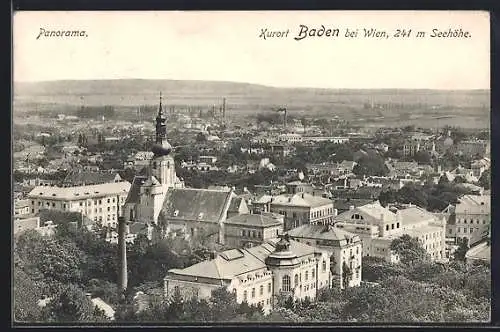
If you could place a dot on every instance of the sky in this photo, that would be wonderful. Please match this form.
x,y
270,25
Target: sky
x,y
225,46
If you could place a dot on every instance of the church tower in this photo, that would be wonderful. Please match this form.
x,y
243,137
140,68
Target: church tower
x,y
162,163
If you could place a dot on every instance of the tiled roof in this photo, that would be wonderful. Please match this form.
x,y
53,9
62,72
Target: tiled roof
x,y
227,265
474,204
303,199
344,204
135,189
253,220
374,210
80,192
481,251
196,204
322,232
237,262
415,214
82,178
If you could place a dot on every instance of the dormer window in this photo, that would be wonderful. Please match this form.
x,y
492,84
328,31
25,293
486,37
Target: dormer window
x,y
176,213
200,216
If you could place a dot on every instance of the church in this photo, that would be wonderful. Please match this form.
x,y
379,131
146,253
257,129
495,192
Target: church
x,y
158,199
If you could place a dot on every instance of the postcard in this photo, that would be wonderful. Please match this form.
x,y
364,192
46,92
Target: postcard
x,y
217,167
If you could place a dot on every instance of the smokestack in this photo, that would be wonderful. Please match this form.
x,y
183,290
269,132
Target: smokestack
x,y
122,252
224,109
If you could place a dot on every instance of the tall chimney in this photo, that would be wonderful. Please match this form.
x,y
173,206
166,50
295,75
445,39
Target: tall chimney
x,y
122,252
224,109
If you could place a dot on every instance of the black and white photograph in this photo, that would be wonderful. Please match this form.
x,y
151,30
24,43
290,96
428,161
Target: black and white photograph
x,y
251,167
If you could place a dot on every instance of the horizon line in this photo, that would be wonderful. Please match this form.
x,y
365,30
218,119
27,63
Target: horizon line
x,y
249,83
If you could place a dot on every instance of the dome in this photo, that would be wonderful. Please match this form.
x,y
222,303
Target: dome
x,y
162,149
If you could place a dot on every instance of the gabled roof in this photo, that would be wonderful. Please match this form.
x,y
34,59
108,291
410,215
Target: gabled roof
x,y
415,214
259,220
322,232
227,265
302,199
80,192
135,189
238,262
196,204
82,178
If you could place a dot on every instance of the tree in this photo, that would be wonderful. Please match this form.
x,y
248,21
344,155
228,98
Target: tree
x,y
409,249
370,166
200,137
346,275
485,180
27,293
72,305
463,247
422,157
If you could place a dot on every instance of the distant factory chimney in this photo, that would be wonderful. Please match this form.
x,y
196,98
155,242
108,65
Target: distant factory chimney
x,y
122,252
224,109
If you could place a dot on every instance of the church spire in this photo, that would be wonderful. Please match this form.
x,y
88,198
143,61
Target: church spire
x,y
161,126
160,109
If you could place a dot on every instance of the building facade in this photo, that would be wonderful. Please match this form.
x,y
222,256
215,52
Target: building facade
x,y
378,226
472,215
345,250
258,275
100,203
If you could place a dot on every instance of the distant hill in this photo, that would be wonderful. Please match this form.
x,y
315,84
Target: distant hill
x,y
127,91
244,97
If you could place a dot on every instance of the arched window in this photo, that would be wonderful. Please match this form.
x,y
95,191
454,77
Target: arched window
x,y
285,283
296,280
261,290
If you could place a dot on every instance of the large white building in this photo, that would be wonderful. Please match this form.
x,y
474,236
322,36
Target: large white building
x,y
345,250
100,202
470,217
257,275
378,227
298,208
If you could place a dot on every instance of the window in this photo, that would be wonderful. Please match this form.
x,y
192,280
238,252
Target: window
x,y
81,203
296,280
392,226
253,293
245,296
253,233
277,233
108,200
32,202
397,225
307,275
113,200
285,283
312,273
100,201
53,204
242,233
261,290
386,227
109,209
269,287
324,266
350,252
